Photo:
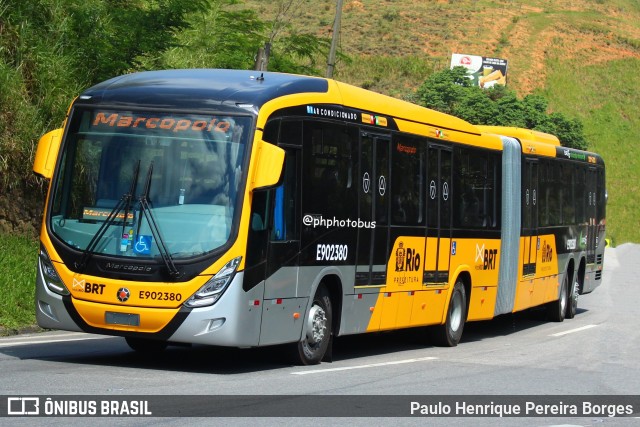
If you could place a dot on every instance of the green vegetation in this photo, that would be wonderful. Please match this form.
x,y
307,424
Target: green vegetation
x,y
451,92
51,49
394,76
18,256
578,61
225,37
600,95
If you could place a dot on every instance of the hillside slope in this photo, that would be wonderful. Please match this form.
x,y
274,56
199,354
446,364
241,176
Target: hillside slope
x,y
582,55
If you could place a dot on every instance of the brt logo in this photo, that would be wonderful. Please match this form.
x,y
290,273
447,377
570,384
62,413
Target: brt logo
x,y
485,258
88,288
407,259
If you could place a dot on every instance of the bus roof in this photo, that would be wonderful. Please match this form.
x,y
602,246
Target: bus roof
x,y
214,89
200,88
228,90
522,134
354,96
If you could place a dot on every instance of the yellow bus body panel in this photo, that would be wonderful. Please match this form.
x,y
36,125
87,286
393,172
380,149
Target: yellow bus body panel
x,y
481,259
151,319
406,301
84,287
543,286
482,303
521,134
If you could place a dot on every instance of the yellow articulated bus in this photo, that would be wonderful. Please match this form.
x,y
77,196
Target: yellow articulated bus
x,y
237,208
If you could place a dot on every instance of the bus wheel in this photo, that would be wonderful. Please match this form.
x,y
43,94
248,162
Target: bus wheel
x,y
313,346
144,345
449,334
572,306
556,309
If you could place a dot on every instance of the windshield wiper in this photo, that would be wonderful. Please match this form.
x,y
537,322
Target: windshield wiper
x,y
153,226
123,203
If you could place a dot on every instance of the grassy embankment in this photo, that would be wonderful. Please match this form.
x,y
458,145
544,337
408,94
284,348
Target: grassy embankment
x,y
18,257
590,71
612,125
585,61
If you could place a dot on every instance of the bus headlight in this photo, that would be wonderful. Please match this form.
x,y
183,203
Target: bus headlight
x,y
50,275
211,291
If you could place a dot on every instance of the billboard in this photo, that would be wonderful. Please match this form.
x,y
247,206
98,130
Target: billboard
x,y
485,72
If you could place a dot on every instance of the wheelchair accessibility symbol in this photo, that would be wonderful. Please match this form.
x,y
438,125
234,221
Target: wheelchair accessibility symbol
x,y
142,245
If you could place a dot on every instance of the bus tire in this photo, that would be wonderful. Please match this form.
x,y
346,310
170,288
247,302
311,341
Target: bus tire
x,y
574,292
317,330
557,309
449,334
145,345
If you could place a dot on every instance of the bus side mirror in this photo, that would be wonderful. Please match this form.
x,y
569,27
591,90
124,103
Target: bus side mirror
x,y
47,153
269,163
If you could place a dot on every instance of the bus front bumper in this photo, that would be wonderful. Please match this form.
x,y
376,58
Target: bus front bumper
x,y
234,320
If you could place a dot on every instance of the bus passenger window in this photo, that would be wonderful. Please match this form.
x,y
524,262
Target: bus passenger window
x,y
290,133
476,177
407,165
470,209
568,209
328,165
260,211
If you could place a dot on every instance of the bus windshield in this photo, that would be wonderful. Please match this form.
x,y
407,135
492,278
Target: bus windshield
x,y
137,183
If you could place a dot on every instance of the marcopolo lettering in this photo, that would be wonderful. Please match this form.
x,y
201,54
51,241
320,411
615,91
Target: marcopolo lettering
x,y
165,123
132,268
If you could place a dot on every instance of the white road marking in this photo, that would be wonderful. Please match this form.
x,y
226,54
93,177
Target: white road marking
x,y
48,339
370,365
559,334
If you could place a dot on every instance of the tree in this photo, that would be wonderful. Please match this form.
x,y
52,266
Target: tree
x,y
298,53
50,50
227,37
113,36
451,91
442,90
476,107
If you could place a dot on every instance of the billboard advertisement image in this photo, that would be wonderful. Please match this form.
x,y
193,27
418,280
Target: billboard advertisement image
x,y
484,71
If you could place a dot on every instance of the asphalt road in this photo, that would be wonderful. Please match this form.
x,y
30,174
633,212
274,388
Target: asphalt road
x,y
594,354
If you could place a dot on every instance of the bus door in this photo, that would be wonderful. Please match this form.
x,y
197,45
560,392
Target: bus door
x,y
373,208
591,215
438,215
273,251
529,217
